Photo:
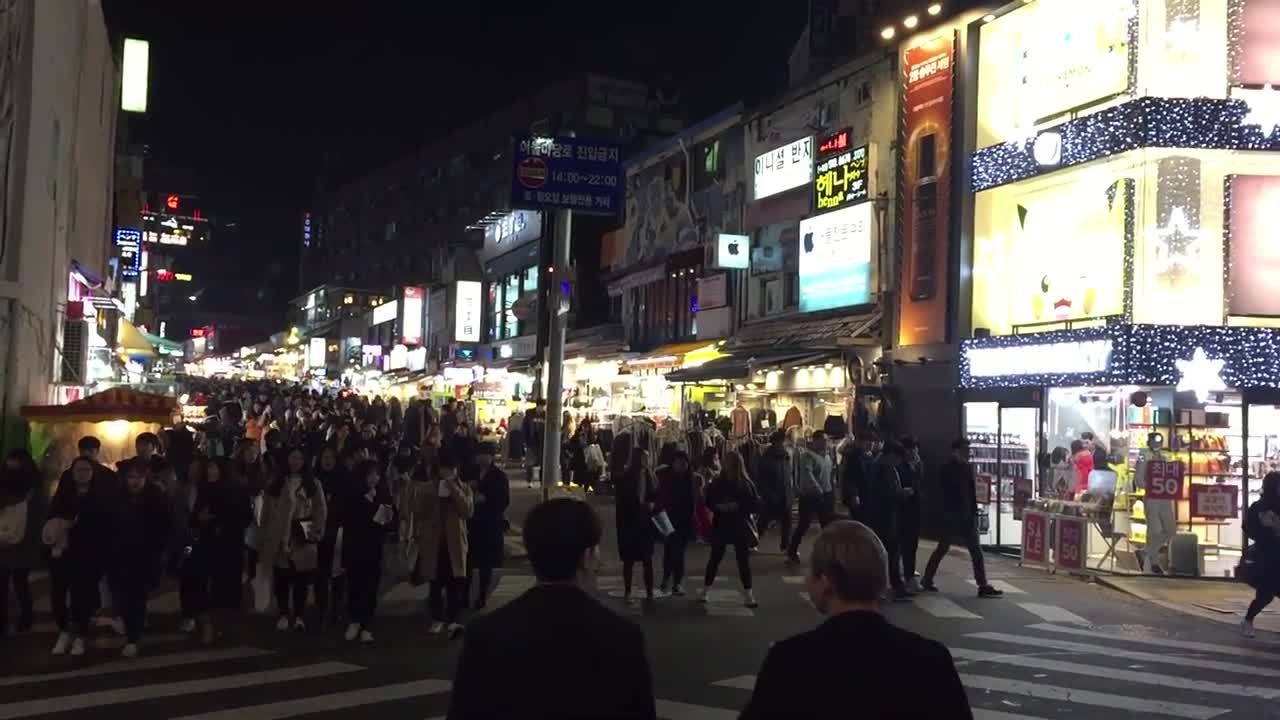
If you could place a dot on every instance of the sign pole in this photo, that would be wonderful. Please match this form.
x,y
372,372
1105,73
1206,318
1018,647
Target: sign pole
x,y
555,352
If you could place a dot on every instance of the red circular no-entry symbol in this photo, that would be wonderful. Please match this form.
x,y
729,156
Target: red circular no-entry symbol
x,y
532,172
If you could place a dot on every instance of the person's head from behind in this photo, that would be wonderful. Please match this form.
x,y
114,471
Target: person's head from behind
x,y
710,461
249,451
1271,487
89,447
910,447
562,538
778,439
485,452
1077,446
680,464
447,467
82,474
865,440
369,476
960,450
734,467
892,453
818,442
848,568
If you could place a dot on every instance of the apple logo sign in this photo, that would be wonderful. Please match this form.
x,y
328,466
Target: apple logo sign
x,y
733,247
808,242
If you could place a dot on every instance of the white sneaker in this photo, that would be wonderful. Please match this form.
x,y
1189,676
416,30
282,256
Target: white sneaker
x,y
130,650
1246,629
749,599
436,628
299,625
117,626
353,631
282,624
77,647
366,636
187,625
455,629
913,585
702,594
63,644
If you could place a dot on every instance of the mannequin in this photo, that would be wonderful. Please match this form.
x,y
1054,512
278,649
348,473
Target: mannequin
x,y
1161,514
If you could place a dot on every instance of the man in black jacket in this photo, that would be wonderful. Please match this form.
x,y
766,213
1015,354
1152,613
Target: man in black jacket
x,y
960,509
777,487
847,576
514,659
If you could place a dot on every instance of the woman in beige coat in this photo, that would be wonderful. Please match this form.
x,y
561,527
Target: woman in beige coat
x,y
440,526
293,518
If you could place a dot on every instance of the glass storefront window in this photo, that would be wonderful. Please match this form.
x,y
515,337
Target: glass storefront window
x,y
511,293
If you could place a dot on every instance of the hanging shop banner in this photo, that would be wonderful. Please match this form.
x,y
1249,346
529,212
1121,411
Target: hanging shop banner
x,y
1035,534
835,259
842,179
927,87
467,311
1022,491
414,312
1163,480
1073,542
1215,501
982,488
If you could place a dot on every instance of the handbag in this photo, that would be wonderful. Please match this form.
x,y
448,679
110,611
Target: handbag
x,y
13,523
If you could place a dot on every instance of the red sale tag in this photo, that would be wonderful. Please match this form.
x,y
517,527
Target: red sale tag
x,y
1215,501
1163,480
1072,543
1035,526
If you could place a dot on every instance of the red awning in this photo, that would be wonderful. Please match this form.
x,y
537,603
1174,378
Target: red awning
x,y
114,404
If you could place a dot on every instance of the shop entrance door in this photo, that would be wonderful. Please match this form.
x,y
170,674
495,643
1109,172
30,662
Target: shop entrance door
x,y
1003,452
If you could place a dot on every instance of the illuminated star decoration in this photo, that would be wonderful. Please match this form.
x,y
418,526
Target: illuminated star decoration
x,y
1200,375
1263,109
1179,247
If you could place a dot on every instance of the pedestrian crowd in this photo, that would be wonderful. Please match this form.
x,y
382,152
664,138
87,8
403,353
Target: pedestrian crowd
x,y
282,497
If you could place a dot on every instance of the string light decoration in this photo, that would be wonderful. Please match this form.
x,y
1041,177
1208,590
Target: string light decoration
x,y
1191,123
1227,184
1146,355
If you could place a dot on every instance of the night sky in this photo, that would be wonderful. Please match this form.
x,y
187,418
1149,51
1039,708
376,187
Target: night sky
x,y
248,98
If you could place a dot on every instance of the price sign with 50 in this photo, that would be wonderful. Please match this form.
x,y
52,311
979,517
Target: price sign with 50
x,y
1163,480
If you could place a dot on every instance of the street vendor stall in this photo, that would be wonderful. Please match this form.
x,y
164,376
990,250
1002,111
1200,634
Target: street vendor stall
x,y
116,417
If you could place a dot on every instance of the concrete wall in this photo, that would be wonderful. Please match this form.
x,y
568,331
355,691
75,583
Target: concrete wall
x,y
60,181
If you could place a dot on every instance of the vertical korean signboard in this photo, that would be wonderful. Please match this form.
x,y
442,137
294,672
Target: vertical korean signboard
x,y
925,174
411,324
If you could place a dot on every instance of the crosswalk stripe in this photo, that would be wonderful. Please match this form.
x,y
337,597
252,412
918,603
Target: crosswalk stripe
x,y
1107,651
793,579
1163,643
324,703
1133,676
1001,585
151,662
66,703
1053,614
741,682
672,710
941,607
984,714
1089,697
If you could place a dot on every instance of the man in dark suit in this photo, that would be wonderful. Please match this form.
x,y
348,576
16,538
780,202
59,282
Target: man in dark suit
x,y
885,671
514,660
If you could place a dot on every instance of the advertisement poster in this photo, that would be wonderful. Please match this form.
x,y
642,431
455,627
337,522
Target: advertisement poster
x,y
1022,491
1035,532
842,179
1163,480
835,259
414,312
1215,501
1256,53
774,248
1254,254
982,488
783,168
1073,540
927,87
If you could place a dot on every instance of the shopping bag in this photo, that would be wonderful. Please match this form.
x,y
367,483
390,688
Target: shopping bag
x,y
662,522
260,587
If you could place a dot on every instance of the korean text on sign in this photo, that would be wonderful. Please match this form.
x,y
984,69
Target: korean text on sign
x,y
1163,480
928,68
1215,501
551,148
842,179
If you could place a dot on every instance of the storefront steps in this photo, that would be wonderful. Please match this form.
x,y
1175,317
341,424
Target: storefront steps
x,y
1217,601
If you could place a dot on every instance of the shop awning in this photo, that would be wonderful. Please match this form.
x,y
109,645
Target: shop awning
x,y
132,342
738,367
164,345
812,333
118,403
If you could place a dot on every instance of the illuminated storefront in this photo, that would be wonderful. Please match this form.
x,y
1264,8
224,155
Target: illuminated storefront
x,y
1125,160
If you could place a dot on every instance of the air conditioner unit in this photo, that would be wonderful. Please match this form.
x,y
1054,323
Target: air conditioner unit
x,y
75,352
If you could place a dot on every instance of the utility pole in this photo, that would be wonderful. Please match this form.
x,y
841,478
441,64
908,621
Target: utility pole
x,y
558,306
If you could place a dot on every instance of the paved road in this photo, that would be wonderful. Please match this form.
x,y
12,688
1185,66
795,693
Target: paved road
x,y
1052,648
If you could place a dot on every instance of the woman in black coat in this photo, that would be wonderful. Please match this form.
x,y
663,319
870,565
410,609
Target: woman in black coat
x,y
733,499
211,573
20,490
676,492
637,494
1262,526
491,492
369,516
139,529
76,534
338,484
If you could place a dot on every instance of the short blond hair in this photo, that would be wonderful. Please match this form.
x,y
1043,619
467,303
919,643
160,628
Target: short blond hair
x,y
850,555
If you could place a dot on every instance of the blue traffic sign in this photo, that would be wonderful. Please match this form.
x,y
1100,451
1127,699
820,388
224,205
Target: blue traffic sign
x,y
551,173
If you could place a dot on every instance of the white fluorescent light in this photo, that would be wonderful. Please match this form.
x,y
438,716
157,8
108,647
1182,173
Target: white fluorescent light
x,y
133,88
